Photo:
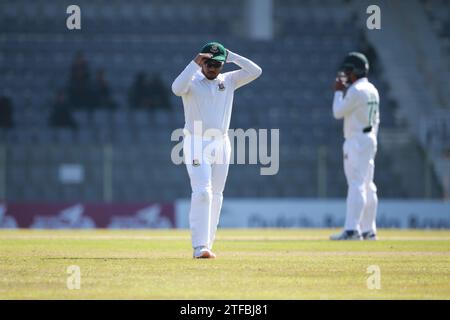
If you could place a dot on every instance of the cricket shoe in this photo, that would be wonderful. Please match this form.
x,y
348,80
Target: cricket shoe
x,y
347,235
369,235
203,253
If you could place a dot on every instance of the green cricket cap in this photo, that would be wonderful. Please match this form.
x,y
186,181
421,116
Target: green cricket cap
x,y
217,49
356,60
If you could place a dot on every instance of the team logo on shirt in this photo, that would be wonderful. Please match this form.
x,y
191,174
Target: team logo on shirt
x,y
221,86
345,156
195,163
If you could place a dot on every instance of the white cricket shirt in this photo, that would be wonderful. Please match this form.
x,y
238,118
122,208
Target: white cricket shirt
x,y
359,108
211,101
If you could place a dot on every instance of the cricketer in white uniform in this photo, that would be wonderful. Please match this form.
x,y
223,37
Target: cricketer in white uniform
x,y
359,107
207,98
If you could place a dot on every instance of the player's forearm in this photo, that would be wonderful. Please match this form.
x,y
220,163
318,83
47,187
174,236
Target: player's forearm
x,y
338,105
251,69
180,85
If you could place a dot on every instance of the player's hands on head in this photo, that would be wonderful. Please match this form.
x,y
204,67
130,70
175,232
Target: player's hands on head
x,y
202,57
339,85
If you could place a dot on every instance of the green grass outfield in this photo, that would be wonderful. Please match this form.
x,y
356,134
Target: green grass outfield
x,y
251,264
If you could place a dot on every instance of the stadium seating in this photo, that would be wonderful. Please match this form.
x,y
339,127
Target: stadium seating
x,y
438,13
161,37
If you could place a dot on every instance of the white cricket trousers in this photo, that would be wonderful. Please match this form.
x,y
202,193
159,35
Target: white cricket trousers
x,y
359,165
207,163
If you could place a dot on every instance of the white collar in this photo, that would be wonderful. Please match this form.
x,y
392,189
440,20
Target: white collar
x,y
364,79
